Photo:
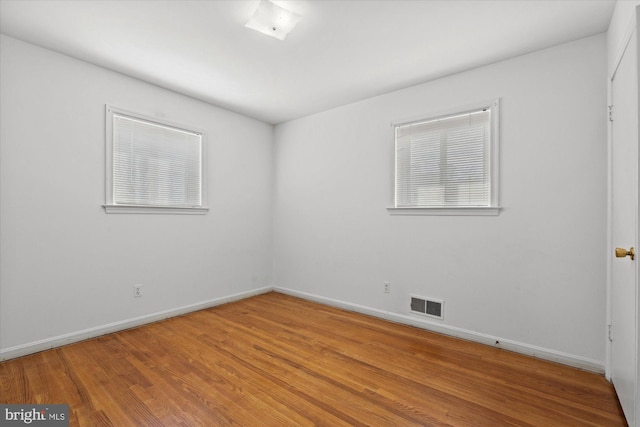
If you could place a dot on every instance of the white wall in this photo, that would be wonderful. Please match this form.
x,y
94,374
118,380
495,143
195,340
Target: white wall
x,y
534,275
67,266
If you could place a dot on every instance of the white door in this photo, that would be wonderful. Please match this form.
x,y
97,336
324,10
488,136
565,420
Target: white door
x,y
624,221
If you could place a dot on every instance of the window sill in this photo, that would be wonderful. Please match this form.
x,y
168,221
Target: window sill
x,y
129,209
462,211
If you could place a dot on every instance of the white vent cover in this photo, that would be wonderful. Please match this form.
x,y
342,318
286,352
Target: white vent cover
x,y
427,306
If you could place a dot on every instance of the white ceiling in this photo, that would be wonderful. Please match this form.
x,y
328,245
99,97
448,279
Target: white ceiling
x,y
341,51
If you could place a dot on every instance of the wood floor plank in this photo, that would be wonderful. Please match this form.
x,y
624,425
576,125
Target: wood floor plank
x,y
275,360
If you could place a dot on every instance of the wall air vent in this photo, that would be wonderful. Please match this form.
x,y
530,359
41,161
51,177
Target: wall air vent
x,y
427,306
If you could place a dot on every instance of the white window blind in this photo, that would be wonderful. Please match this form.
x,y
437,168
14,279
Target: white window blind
x,y
445,162
154,164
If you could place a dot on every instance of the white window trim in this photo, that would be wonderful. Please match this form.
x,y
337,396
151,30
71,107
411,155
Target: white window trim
x,y
110,207
454,211
492,210
135,209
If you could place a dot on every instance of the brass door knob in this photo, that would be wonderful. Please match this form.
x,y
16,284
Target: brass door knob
x,y
621,253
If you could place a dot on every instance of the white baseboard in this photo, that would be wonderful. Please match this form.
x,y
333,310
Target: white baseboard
x,y
527,349
60,340
515,346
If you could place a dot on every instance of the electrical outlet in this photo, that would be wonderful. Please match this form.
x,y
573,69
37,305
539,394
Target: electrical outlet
x,y
137,291
387,287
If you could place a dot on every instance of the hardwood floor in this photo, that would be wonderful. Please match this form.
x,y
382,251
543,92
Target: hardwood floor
x,y
275,360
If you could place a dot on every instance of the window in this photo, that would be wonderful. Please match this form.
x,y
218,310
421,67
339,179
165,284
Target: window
x,y
448,164
153,166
